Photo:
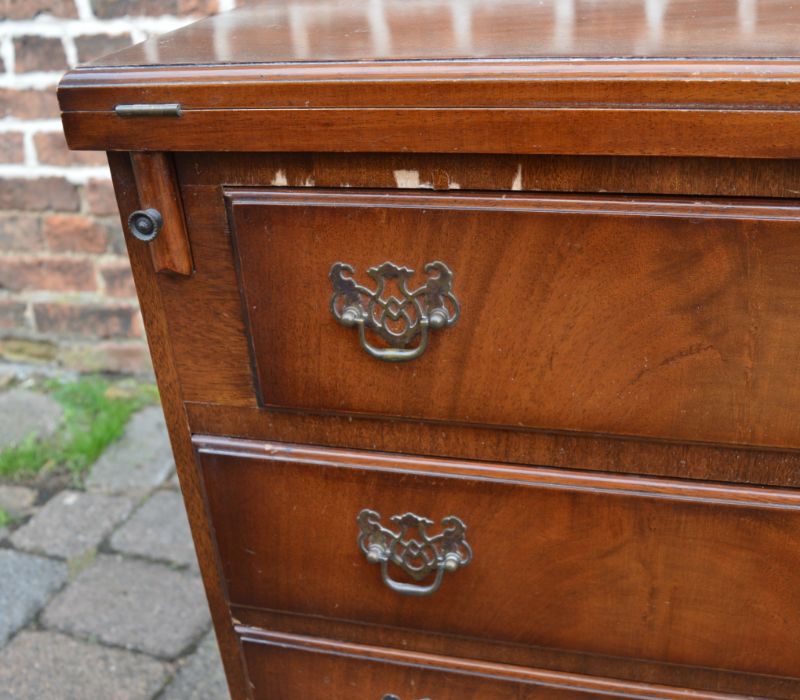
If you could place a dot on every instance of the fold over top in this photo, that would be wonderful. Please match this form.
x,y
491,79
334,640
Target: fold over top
x,y
566,76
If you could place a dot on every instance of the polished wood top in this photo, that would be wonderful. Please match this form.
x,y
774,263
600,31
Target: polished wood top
x,y
290,75
357,30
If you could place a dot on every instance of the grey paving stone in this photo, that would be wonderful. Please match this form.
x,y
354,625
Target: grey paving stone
x,y
26,583
202,677
139,461
16,500
133,604
23,412
72,523
51,666
6,377
158,530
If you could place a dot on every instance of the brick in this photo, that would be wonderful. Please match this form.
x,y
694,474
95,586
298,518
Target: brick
x,y
72,524
197,7
89,320
20,233
52,666
91,46
27,583
54,193
11,148
12,315
132,604
74,233
27,350
118,279
116,236
39,53
106,9
137,8
100,198
54,274
51,149
28,9
139,461
124,357
29,104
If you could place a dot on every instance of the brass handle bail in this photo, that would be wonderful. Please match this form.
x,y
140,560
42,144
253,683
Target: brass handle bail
x,y
401,321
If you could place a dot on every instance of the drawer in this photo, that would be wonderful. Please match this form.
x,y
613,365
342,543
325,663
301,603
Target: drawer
x,y
652,569
284,667
664,319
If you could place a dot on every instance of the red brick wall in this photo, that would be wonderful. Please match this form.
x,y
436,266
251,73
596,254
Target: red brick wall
x,y
66,296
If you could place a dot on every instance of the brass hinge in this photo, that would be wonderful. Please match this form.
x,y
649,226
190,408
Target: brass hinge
x,y
149,110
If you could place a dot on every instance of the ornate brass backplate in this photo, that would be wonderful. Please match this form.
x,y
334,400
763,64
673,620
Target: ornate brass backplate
x,y
402,322
418,557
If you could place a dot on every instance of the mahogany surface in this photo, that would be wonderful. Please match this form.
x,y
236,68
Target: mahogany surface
x,y
695,302
155,178
557,556
722,177
354,30
321,670
509,76
615,186
597,130
683,680
158,337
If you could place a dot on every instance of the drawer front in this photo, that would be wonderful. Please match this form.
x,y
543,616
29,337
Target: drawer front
x,y
619,566
661,319
285,667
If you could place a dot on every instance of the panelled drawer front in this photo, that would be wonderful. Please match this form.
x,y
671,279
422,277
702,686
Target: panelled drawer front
x,y
284,667
281,673
638,568
657,318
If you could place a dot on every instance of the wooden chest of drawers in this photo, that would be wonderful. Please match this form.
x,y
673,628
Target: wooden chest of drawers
x,y
477,327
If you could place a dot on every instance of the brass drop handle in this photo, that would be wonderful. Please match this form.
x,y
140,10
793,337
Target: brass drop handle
x,y
398,321
418,558
145,224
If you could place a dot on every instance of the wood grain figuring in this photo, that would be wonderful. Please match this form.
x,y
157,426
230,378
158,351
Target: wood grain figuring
x,y
565,450
157,185
255,623
479,83
730,133
205,316
219,385
614,415
649,564
338,30
319,667
661,319
158,337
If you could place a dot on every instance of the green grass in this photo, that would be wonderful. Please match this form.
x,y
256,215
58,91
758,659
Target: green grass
x,y
5,518
95,414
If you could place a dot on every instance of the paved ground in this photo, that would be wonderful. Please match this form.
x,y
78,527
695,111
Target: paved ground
x,y
100,597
